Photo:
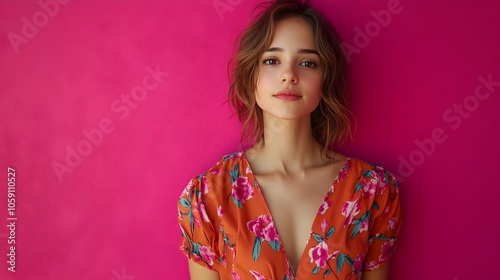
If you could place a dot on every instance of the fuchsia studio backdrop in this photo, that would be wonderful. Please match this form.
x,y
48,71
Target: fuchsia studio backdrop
x,y
108,108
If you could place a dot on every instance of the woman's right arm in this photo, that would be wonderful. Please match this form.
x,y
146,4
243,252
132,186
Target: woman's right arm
x,y
199,272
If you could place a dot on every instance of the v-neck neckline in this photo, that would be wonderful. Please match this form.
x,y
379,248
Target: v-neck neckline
x,y
267,211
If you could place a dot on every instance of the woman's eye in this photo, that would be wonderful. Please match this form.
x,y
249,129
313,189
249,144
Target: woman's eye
x,y
270,61
309,64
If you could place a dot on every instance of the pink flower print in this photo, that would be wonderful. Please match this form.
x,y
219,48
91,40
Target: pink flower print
x,y
358,262
264,228
233,249
363,226
392,223
319,254
324,206
370,187
242,190
207,255
200,207
235,275
179,215
196,258
289,271
187,189
387,250
216,171
271,233
220,211
324,225
371,265
257,226
331,189
257,275
350,209
204,185
381,187
344,171
248,170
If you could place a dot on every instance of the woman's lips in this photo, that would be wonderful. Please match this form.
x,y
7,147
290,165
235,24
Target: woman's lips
x,y
289,95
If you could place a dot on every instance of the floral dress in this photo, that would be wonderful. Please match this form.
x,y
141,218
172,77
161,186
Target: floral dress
x,y
226,224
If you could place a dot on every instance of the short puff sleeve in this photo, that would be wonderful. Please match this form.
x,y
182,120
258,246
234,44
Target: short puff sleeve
x,y
385,222
199,230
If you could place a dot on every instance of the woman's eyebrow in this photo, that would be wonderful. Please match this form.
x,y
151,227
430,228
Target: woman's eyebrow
x,y
276,49
309,51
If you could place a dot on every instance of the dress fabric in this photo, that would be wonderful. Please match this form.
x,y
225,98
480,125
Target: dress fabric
x,y
226,224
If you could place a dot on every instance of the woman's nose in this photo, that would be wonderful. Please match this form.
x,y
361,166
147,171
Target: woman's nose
x,y
289,75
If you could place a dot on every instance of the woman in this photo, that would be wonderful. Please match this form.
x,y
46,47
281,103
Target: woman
x,y
289,207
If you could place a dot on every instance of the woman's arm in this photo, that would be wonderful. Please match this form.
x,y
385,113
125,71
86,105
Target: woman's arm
x,y
199,272
381,273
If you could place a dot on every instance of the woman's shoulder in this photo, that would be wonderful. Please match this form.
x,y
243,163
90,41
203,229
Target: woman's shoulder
x,y
218,179
226,165
368,169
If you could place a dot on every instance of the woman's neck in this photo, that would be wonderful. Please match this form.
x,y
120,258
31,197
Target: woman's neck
x,y
289,146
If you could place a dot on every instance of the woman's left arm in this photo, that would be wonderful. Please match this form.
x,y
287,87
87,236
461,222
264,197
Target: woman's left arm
x,y
381,273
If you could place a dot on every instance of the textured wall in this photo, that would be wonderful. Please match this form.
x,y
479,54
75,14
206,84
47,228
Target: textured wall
x,y
108,108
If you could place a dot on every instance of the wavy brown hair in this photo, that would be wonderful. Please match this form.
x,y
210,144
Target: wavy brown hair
x,y
330,120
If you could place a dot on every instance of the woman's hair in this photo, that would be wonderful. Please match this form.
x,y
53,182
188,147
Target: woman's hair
x,y
330,120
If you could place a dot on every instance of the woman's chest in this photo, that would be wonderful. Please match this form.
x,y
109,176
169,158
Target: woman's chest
x,y
275,234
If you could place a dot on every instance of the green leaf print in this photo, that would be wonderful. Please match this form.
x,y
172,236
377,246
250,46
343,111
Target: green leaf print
x,y
368,173
185,203
359,186
355,231
330,232
256,248
340,262
235,173
349,260
196,249
191,219
316,270
317,237
341,259
386,176
328,271
383,237
275,245
237,202
365,216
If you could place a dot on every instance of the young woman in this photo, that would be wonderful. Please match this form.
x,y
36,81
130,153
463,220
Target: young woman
x,y
289,207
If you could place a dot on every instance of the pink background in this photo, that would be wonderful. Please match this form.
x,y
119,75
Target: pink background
x,y
114,215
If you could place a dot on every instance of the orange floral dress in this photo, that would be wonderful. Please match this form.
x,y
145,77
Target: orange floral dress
x,y
227,226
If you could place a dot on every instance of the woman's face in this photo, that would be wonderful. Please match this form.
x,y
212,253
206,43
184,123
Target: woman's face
x,y
290,77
